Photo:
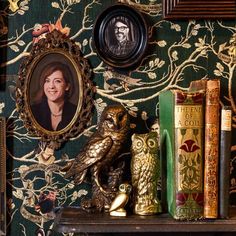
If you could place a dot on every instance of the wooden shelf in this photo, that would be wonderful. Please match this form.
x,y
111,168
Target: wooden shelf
x,y
71,219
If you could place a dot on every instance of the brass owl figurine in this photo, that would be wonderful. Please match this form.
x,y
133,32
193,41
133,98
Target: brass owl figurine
x,y
99,153
120,201
145,172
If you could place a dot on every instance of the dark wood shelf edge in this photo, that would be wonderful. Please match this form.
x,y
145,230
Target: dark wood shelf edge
x,y
72,219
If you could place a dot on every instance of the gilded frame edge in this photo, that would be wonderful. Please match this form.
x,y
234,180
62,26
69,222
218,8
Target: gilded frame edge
x,y
202,9
3,176
57,43
29,75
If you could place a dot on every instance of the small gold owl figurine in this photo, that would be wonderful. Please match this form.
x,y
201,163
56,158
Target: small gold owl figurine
x,y
118,204
145,172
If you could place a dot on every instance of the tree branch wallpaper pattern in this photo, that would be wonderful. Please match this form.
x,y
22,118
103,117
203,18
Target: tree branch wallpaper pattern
x,y
178,52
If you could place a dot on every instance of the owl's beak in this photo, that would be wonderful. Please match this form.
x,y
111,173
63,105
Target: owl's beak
x,y
119,120
117,124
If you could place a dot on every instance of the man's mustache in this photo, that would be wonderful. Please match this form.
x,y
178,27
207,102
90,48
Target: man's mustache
x,y
120,33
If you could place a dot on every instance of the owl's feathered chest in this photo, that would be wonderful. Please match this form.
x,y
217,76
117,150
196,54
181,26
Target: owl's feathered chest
x,y
146,159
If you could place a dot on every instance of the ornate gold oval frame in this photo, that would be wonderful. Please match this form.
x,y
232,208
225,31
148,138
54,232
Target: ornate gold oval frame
x,y
55,47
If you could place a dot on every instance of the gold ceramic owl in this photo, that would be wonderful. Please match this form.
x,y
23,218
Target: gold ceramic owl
x,y
100,152
121,199
145,172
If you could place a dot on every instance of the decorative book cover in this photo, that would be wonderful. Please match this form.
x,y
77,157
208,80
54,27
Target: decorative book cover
x,y
212,115
181,129
224,161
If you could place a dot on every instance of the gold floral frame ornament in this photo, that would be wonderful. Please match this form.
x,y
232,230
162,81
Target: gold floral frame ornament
x,y
200,9
55,48
2,176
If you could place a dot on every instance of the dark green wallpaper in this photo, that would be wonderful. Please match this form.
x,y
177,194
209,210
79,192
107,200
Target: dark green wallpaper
x,y
178,52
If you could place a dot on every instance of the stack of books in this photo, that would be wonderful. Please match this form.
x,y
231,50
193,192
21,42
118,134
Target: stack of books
x,y
195,181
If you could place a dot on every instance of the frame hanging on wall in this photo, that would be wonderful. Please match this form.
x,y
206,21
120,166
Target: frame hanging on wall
x,y
54,91
120,36
201,9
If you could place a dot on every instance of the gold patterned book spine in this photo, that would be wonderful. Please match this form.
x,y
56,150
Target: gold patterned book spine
x,y
188,158
212,115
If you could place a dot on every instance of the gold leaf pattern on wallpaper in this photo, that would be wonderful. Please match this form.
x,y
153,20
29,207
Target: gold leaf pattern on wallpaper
x,y
178,52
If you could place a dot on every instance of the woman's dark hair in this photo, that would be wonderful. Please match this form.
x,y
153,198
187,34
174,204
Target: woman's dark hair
x,y
47,71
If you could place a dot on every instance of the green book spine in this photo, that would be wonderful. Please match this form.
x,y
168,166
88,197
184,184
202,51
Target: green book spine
x,y
181,129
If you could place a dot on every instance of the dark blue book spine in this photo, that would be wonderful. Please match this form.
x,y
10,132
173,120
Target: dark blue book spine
x,y
224,161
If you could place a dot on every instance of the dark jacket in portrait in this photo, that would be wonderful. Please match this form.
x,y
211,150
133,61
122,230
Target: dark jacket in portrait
x,y
122,49
42,114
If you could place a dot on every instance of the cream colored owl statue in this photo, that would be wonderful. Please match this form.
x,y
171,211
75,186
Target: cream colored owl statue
x,y
145,172
118,204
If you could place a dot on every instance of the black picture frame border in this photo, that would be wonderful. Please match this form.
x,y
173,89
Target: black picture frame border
x,y
137,19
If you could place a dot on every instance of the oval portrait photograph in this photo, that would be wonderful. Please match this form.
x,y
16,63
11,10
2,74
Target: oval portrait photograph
x,y
54,94
120,36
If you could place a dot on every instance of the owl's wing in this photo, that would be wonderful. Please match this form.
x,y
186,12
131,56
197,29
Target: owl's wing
x,y
119,201
94,151
136,168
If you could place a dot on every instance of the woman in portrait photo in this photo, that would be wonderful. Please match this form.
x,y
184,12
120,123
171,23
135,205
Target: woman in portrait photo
x,y
51,106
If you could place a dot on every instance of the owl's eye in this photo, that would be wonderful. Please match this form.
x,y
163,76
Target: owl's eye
x,y
139,143
129,188
122,187
151,143
120,116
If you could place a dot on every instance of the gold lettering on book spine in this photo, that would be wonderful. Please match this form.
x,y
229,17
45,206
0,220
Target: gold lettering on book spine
x,y
188,128
188,116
